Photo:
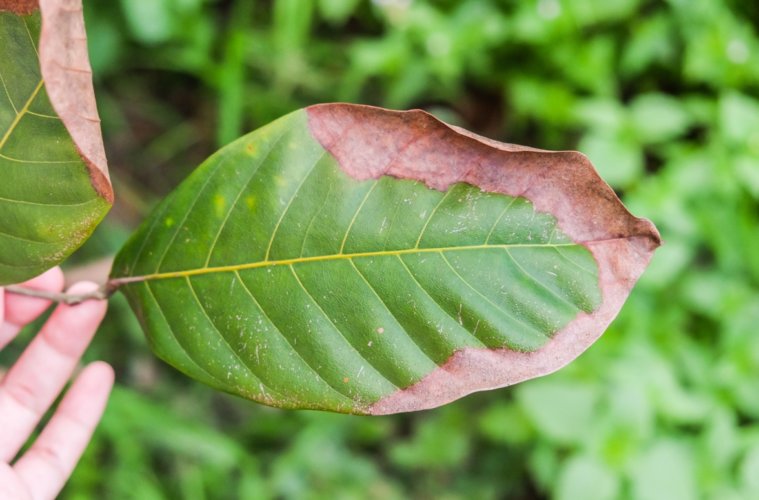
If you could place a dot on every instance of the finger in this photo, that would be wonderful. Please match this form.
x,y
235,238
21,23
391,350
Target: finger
x,y
33,383
49,462
10,486
20,310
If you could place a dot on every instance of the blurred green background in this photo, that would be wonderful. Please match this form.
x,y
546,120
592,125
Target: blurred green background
x,y
660,94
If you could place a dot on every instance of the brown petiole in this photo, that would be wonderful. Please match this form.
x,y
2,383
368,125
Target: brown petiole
x,y
71,299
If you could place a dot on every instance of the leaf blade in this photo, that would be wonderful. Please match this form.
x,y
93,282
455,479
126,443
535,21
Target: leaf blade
x,y
375,283
42,222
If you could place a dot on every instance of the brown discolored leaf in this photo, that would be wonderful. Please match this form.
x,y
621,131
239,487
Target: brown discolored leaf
x,y
361,260
65,67
52,158
370,142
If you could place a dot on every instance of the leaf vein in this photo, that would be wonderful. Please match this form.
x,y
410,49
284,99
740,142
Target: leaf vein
x,y
31,38
538,282
21,238
374,291
495,224
439,306
355,216
571,261
287,339
225,341
24,202
313,219
39,162
290,202
188,211
499,308
174,336
323,258
7,93
348,342
239,195
429,219
20,114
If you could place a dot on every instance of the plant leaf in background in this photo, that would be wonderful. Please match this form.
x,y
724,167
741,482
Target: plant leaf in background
x,y
55,187
361,260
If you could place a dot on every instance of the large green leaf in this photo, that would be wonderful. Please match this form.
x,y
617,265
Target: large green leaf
x,y
361,260
54,187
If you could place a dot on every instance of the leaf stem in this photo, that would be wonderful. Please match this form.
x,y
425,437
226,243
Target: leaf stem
x,y
71,299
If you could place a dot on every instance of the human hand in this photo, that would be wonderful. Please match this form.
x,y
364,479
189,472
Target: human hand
x,y
36,380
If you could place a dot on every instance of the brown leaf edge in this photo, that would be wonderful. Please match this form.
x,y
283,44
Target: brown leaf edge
x,y
22,7
65,67
369,142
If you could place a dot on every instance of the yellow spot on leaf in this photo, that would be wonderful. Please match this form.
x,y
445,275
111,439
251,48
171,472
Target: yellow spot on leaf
x,y
219,205
250,202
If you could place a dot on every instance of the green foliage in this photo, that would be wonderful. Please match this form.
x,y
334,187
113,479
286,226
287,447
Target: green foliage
x,y
347,290
666,403
42,222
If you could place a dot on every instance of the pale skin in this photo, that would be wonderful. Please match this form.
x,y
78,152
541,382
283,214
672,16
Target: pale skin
x,y
33,383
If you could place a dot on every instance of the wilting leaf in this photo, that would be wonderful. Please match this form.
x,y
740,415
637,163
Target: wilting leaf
x,y
54,186
360,260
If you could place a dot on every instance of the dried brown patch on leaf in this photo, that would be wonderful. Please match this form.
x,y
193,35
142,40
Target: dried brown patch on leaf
x,y
469,370
370,142
65,67
22,7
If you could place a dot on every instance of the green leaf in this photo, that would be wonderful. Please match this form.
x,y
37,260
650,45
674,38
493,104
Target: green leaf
x,y
666,470
658,118
563,412
621,158
583,477
55,187
150,21
360,260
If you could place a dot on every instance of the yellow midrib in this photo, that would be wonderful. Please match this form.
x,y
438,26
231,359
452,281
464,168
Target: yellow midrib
x,y
324,258
21,114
